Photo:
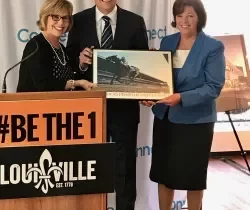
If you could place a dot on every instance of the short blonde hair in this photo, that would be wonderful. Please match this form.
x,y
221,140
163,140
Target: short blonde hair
x,y
53,7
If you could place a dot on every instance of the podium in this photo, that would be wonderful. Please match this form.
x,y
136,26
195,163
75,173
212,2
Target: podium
x,y
53,154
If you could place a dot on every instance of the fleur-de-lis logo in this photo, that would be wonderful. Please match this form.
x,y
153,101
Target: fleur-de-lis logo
x,y
44,177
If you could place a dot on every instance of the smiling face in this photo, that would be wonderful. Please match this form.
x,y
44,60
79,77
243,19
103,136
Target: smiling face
x,y
58,23
187,21
105,6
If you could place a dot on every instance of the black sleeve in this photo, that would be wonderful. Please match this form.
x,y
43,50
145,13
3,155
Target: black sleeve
x,y
36,73
141,38
73,43
73,49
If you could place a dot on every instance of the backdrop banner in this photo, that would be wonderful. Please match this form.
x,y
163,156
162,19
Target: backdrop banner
x,y
18,25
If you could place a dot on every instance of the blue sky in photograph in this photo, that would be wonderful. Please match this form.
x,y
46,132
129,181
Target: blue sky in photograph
x,y
150,63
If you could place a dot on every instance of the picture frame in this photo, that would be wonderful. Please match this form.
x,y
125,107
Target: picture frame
x,y
235,94
133,74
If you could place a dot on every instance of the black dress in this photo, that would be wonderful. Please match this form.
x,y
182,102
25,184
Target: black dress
x,y
48,69
180,152
61,71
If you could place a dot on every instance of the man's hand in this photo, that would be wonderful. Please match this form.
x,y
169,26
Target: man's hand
x,y
86,57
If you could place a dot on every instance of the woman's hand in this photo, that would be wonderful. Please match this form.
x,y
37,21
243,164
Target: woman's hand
x,y
171,100
85,84
147,103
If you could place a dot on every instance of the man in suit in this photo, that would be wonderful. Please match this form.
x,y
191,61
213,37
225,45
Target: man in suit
x,y
108,26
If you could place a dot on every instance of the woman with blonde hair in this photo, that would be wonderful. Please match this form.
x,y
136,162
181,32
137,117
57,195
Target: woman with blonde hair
x,y
49,68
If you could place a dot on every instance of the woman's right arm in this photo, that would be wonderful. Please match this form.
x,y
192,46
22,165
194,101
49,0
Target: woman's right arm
x,y
39,68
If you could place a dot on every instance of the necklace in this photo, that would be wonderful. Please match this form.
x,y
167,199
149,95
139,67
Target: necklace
x,y
63,63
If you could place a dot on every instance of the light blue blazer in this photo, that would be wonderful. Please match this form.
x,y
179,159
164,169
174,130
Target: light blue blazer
x,y
199,82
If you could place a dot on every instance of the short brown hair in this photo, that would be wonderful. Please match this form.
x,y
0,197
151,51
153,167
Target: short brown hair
x,y
52,7
198,7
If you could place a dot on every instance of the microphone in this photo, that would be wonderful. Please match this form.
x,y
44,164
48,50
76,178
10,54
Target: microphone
x,y
4,87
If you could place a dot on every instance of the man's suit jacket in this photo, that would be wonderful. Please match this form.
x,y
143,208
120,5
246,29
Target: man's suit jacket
x,y
199,82
130,34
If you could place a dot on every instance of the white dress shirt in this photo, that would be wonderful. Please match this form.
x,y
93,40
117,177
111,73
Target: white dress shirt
x,y
100,24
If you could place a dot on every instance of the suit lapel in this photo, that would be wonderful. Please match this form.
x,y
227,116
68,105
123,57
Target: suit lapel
x,y
174,44
92,28
119,28
191,58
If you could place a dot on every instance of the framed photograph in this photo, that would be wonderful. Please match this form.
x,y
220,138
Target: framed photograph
x,y
126,74
235,95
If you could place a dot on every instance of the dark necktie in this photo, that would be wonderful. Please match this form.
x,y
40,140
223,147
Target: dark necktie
x,y
107,35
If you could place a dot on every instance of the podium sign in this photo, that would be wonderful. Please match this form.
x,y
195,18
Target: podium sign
x,y
55,170
51,122
52,144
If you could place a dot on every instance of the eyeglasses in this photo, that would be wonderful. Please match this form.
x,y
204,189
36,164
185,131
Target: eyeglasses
x,y
66,18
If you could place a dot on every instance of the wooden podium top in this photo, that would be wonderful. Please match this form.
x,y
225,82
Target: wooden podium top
x,y
52,95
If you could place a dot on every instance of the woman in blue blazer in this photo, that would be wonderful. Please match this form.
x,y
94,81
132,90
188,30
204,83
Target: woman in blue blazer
x,y
184,121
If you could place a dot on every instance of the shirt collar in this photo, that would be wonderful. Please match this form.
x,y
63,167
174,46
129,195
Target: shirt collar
x,y
112,15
